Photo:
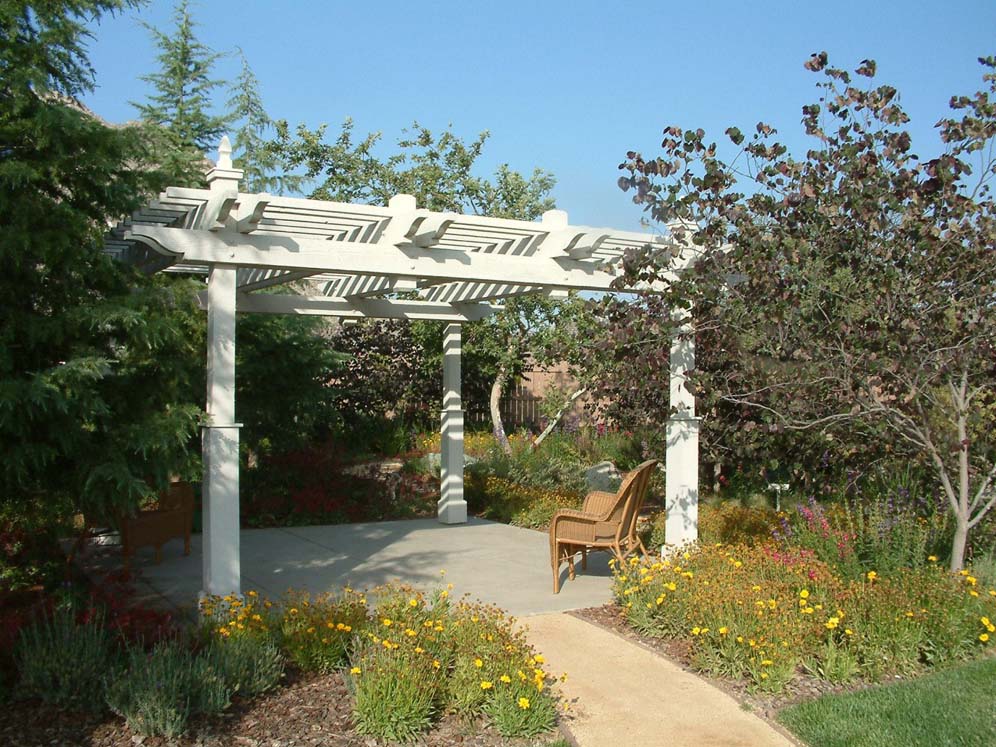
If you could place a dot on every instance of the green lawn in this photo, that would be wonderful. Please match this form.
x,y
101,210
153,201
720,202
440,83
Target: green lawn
x,y
952,707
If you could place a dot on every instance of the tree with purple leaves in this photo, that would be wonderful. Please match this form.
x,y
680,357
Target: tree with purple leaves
x,y
865,275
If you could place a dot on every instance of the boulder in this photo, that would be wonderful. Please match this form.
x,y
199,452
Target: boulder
x,y
603,476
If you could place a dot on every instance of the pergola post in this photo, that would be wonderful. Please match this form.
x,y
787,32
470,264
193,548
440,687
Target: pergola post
x,y
682,457
220,437
452,508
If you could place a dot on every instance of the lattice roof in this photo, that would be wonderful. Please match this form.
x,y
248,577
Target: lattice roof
x,y
351,254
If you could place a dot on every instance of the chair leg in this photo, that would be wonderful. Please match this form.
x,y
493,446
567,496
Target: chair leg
x,y
570,564
584,558
555,563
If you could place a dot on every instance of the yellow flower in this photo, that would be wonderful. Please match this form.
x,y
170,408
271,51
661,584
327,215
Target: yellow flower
x,y
524,703
435,664
505,678
832,623
485,685
848,631
696,630
252,593
984,637
872,575
932,558
387,622
985,621
766,662
724,630
413,603
539,659
804,593
354,670
293,610
478,663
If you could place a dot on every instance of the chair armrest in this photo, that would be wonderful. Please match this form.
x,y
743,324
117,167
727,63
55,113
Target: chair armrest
x,y
598,503
570,525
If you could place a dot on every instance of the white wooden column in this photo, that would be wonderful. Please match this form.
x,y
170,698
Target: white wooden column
x,y
220,437
682,460
452,508
220,440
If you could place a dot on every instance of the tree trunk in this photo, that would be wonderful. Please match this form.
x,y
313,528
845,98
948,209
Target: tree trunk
x,y
959,543
496,425
556,418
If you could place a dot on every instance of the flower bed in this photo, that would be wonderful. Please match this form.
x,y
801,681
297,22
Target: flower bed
x,y
763,613
411,657
406,659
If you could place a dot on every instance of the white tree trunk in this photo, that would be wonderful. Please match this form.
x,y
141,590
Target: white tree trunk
x,y
557,418
497,387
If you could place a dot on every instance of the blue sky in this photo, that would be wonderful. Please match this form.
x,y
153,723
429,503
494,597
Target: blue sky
x,y
566,86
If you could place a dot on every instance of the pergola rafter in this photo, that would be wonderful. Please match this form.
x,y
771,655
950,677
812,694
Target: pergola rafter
x,y
362,261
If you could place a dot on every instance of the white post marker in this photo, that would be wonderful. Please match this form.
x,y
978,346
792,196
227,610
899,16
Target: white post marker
x,y
452,508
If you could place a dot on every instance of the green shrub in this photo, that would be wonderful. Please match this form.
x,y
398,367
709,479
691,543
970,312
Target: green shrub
x,y
472,653
395,690
29,549
316,631
156,693
249,665
524,505
64,662
518,710
599,444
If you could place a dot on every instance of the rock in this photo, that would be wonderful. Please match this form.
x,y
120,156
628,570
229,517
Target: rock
x,y
434,459
603,476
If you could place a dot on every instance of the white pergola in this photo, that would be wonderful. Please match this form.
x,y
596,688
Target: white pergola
x,y
356,259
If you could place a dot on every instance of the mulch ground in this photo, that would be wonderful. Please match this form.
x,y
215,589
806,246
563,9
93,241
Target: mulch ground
x,y
766,705
309,710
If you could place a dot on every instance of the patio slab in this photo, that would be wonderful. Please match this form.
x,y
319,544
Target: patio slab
x,y
485,560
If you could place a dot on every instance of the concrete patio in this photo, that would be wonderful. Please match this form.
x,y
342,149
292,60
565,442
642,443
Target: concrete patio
x,y
493,562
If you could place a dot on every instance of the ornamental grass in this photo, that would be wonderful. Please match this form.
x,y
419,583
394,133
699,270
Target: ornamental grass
x,y
766,614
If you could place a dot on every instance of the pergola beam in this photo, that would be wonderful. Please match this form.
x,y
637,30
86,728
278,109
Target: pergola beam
x,y
358,308
348,257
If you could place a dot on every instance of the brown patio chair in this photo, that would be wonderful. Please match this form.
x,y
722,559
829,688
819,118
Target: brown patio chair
x,y
173,518
606,521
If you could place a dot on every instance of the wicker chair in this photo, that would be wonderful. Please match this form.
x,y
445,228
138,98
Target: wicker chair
x,y
172,519
606,521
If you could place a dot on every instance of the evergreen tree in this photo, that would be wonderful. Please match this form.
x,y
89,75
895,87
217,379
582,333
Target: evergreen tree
x,y
180,105
253,154
92,384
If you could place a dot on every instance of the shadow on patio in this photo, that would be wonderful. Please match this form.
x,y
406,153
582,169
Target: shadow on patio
x,y
488,561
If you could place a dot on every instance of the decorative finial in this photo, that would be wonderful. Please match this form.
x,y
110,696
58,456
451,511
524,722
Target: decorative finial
x,y
225,153
555,219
